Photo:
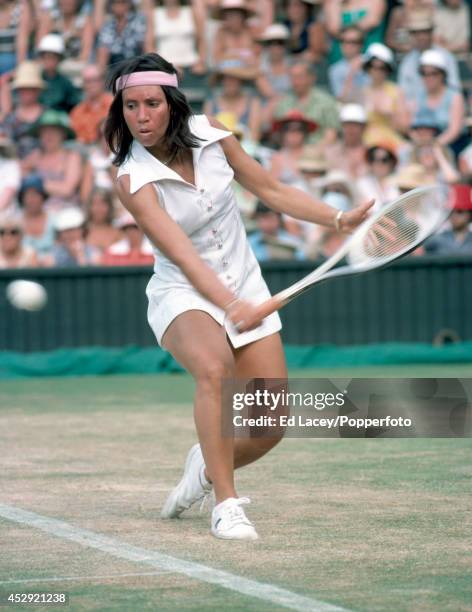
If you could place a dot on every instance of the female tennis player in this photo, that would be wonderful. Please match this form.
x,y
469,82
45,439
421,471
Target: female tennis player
x,y
175,174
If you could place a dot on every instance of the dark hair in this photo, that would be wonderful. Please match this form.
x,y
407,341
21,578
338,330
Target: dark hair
x,y
107,196
32,181
262,209
388,67
370,155
116,132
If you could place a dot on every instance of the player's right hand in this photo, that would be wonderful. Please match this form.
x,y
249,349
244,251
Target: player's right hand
x,y
243,315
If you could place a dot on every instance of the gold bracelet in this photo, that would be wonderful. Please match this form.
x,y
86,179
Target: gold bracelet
x,y
337,220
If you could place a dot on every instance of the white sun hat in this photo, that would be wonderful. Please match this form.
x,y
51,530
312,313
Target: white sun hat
x,y
434,58
353,113
51,43
69,218
275,31
380,52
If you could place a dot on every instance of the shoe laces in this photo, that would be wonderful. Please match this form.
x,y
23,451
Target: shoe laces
x,y
236,513
205,500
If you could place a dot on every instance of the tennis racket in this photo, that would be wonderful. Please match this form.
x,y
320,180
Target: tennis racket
x,y
391,232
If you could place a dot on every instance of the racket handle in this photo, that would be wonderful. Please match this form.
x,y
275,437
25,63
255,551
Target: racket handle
x,y
269,306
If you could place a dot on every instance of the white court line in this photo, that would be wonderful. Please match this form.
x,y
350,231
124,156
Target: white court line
x,y
97,577
197,571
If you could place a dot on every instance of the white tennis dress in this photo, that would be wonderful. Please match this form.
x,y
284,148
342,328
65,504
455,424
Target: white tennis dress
x,y
209,215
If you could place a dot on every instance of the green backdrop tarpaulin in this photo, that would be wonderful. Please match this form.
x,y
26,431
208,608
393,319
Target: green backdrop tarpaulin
x,y
136,360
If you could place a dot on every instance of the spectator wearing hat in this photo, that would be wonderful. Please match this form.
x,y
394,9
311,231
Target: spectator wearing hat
x,y
71,250
86,117
16,21
347,78
424,128
458,239
274,79
452,26
336,190
424,149
307,33
382,162
398,36
234,37
13,254
368,15
293,129
59,167
387,115
312,102
101,233
348,153
232,74
133,250
60,93
313,167
71,18
437,163
465,157
38,223
10,173
123,35
410,177
421,26
439,98
177,34
270,241
27,86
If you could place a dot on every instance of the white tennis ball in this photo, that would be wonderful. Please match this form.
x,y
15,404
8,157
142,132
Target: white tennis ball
x,y
26,295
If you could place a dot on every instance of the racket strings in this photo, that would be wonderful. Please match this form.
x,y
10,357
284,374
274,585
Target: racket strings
x,y
397,231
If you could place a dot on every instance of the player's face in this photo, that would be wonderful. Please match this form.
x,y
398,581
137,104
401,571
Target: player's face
x,y
146,113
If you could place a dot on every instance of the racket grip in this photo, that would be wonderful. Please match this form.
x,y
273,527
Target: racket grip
x,y
269,306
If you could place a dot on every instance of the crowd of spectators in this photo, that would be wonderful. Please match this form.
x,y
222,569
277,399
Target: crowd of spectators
x,y
345,99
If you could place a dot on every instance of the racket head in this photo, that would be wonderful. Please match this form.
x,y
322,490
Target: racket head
x,y
398,227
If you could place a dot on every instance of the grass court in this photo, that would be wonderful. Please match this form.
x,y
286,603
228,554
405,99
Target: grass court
x,y
365,525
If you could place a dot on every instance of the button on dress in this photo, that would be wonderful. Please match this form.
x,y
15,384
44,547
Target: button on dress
x,y
209,215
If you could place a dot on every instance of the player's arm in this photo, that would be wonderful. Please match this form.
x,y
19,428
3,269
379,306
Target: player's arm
x,y
169,238
283,198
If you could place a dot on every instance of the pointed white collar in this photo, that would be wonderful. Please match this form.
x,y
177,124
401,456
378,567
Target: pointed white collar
x,y
144,168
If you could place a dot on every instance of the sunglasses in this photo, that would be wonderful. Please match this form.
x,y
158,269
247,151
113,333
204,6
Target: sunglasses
x,y
381,160
10,232
381,67
351,41
294,126
430,73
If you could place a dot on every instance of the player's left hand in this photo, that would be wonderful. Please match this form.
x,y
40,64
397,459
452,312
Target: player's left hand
x,y
351,219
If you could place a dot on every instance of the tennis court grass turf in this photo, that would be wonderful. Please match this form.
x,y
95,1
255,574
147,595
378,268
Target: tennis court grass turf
x,y
364,524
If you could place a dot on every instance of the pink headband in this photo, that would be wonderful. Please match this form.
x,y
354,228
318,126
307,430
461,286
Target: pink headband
x,y
149,77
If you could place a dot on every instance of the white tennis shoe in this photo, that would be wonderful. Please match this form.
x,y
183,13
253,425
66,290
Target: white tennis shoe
x,y
192,488
229,522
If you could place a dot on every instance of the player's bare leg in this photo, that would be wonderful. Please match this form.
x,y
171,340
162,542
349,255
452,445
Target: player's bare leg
x,y
197,342
261,359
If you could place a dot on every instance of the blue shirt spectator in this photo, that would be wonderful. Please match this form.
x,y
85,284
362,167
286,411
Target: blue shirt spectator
x,y
270,241
420,26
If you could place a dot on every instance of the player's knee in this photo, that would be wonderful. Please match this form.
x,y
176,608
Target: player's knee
x,y
213,369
